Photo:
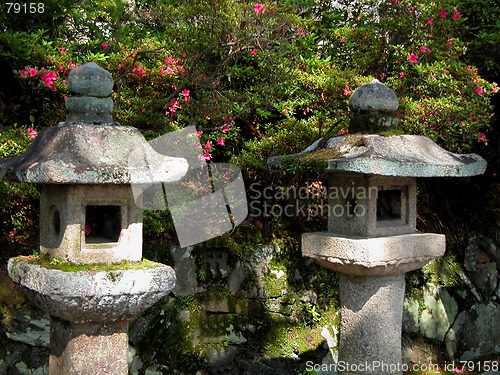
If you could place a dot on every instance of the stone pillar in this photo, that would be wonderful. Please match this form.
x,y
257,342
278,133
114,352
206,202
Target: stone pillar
x,y
370,332
88,348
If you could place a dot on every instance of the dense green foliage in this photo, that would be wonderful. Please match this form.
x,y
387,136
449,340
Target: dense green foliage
x,y
257,79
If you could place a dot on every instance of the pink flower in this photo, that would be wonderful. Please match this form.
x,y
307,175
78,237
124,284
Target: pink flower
x,y
341,132
424,49
481,138
259,8
225,129
413,58
402,75
199,133
63,50
185,94
480,91
206,117
169,70
209,145
23,73
346,91
395,2
430,21
105,45
140,71
206,155
449,44
32,133
456,16
220,141
49,78
442,13
254,52
33,72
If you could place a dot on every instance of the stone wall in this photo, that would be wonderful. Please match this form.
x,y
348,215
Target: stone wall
x,y
274,312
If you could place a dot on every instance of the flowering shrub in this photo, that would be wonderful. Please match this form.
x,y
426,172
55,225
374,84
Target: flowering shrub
x,y
257,79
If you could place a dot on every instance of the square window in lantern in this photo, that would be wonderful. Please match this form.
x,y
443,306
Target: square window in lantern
x,y
389,205
103,224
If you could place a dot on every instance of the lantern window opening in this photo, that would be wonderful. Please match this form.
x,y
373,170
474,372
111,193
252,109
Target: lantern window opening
x,y
391,206
103,223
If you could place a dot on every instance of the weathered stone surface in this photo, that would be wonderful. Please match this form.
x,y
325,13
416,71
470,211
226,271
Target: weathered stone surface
x,y
373,97
88,348
92,296
184,265
480,333
90,80
396,155
80,153
372,256
371,312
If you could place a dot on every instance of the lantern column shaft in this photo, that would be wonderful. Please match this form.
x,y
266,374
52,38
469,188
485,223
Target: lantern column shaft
x,y
370,332
88,348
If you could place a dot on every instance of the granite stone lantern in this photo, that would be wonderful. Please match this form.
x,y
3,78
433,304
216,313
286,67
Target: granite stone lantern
x,y
90,220
372,240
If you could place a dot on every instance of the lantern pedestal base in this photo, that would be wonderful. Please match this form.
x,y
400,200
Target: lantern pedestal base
x,y
371,319
88,348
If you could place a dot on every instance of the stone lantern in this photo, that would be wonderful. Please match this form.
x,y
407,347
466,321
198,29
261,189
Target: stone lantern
x,y
372,240
89,219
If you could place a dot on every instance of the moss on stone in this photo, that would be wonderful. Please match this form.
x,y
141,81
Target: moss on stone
x,y
58,264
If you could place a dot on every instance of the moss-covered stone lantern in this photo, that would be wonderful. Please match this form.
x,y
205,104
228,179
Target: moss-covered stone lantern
x,y
90,276
372,239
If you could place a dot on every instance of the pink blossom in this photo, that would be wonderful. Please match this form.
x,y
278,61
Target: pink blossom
x,y
259,8
346,91
341,132
169,70
424,49
206,155
206,117
430,21
140,71
395,2
220,141
143,109
457,16
225,129
105,45
209,145
32,133
402,75
199,133
300,32
23,73
480,91
449,44
63,50
413,58
442,13
33,72
49,78
481,138
185,94
254,52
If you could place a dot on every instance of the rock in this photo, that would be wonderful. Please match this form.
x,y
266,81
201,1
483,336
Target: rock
x,y
480,334
184,265
30,327
485,277
411,315
441,310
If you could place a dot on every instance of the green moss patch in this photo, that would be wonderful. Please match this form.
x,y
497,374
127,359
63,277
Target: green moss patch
x,y
57,264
